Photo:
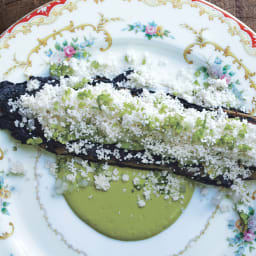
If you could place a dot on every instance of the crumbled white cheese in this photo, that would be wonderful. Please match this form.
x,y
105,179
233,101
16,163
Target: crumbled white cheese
x,y
160,124
141,203
219,84
147,194
60,187
102,182
52,166
33,84
136,181
115,172
125,177
71,178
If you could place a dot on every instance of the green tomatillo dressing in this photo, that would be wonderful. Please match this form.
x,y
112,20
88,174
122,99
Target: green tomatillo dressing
x,y
116,213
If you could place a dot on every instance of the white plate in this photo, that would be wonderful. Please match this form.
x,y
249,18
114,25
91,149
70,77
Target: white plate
x,y
45,225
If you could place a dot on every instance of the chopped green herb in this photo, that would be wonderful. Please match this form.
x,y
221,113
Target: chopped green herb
x,y
59,70
80,84
126,58
244,148
104,99
95,64
34,141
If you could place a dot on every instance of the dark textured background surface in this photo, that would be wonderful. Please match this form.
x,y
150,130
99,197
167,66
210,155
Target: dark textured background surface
x,y
12,10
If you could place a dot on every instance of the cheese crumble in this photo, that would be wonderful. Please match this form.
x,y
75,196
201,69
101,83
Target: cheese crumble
x,y
73,173
79,116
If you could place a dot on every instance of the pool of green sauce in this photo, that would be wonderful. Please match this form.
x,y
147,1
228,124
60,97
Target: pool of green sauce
x,y
115,213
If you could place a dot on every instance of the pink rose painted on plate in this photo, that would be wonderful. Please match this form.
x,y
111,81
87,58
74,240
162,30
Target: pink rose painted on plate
x,y
69,51
150,30
249,236
244,228
226,77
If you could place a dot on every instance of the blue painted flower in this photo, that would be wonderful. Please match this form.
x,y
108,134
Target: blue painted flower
x,y
244,239
83,45
49,53
86,43
152,24
237,93
1,180
151,30
241,249
231,224
237,238
218,61
237,253
215,71
89,43
138,27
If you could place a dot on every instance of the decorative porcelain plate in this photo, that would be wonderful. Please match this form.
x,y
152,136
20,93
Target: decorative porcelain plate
x,y
188,36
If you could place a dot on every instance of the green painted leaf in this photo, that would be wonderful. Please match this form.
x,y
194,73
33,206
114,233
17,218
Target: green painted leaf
x,y
148,36
206,75
197,73
203,69
251,248
230,85
76,55
4,210
58,47
251,211
131,27
226,68
73,45
5,204
244,217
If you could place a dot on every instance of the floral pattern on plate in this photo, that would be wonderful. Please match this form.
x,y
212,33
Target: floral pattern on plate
x,y
151,30
245,233
218,70
4,194
66,50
